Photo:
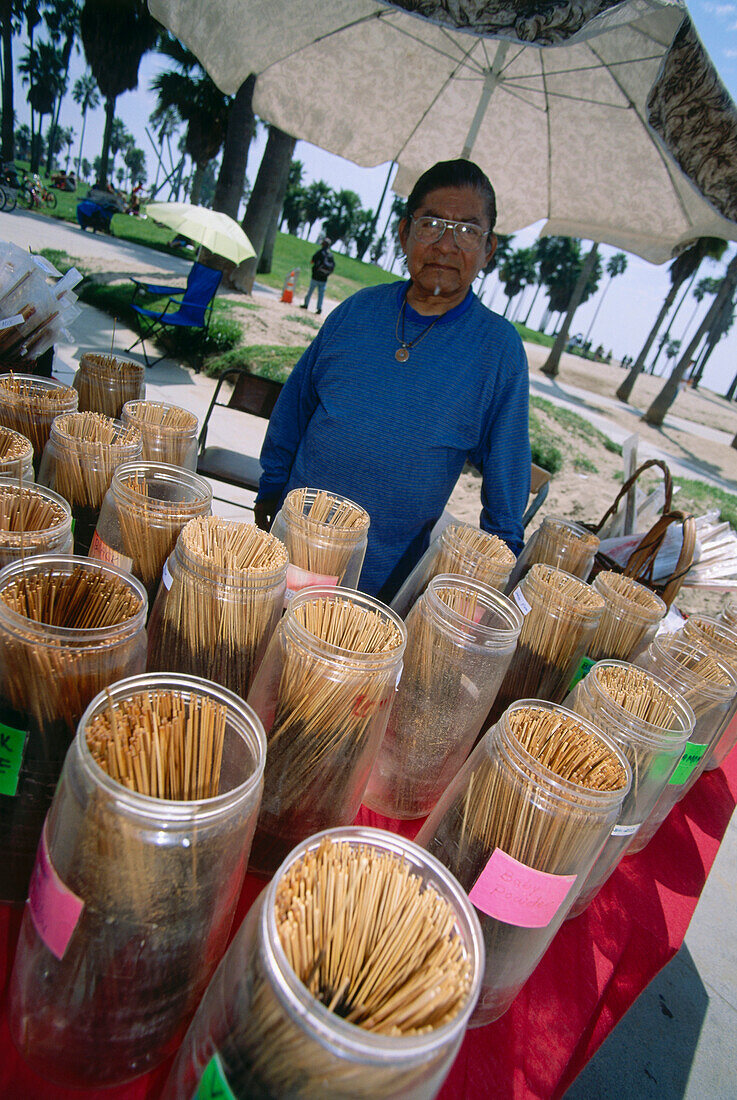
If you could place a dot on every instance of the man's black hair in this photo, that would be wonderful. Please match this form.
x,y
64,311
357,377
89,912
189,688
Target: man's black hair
x,y
453,173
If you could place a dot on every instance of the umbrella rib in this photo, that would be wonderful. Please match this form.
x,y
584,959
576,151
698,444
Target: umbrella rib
x,y
568,95
515,95
465,55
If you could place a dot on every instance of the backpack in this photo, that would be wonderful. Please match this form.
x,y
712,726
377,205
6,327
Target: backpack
x,y
325,265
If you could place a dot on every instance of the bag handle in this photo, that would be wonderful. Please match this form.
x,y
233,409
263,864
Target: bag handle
x,y
642,559
667,485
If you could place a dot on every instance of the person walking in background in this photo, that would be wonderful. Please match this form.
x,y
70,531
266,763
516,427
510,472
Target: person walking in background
x,y
323,266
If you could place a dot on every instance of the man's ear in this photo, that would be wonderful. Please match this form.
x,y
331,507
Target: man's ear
x,y
403,234
490,248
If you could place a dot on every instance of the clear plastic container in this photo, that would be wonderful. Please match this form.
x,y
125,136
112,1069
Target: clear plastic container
x,y
169,432
145,508
260,1032
33,520
709,686
462,549
461,635
324,707
105,994
326,550
652,748
729,614
49,672
16,456
79,460
632,614
521,838
721,639
106,382
214,615
558,542
561,614
29,405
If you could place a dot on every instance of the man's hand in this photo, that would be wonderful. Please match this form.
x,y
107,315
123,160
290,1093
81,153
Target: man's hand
x,y
264,511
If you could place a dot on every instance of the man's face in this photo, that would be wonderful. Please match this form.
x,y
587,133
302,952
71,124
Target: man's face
x,y
443,264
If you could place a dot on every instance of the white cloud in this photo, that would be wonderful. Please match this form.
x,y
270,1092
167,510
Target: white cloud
x,y
721,11
730,53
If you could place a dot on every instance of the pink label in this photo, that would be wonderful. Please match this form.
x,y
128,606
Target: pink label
x,y
103,552
297,579
517,894
54,908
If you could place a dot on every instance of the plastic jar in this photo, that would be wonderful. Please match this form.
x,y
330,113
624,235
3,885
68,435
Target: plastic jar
x,y
48,674
324,709
653,751
729,614
631,617
461,635
265,1035
558,542
145,508
131,903
462,549
29,405
16,456
521,839
214,617
561,614
684,667
720,639
83,452
322,551
169,432
33,520
105,382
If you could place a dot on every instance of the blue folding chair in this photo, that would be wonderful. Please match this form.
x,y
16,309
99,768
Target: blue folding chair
x,y
191,307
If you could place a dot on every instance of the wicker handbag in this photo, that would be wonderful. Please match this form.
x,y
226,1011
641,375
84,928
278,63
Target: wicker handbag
x,y
642,559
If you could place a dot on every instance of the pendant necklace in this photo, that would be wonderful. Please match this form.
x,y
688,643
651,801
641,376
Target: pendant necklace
x,y
402,352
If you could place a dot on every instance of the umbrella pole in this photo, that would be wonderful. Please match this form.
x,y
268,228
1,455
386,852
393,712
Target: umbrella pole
x,y
490,82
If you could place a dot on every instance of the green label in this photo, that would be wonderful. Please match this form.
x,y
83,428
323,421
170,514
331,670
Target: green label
x,y
12,744
583,670
691,756
213,1084
73,523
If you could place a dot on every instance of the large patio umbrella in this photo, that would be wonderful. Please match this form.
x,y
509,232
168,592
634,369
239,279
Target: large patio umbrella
x,y
607,119
209,228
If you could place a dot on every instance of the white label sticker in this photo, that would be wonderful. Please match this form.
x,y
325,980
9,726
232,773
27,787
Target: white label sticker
x,y
521,602
166,576
625,830
11,322
46,265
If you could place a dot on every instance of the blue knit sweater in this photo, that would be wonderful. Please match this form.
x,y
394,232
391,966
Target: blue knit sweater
x,y
393,436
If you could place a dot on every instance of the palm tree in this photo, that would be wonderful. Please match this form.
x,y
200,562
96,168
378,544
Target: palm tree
x,y
616,265
115,35
62,20
265,202
707,285
87,98
11,22
341,218
683,267
317,203
720,327
240,130
571,285
517,271
42,72
362,231
165,124
120,138
135,162
198,101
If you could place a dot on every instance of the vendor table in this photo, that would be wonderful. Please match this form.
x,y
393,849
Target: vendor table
x,y
592,972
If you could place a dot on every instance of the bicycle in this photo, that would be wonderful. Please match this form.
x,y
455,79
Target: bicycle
x,y
35,194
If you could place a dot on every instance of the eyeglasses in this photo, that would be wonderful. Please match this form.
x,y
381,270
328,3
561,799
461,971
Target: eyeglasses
x,y
467,236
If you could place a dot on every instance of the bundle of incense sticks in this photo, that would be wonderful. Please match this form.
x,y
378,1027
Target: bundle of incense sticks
x,y
700,665
718,637
638,693
330,711
631,615
87,447
105,382
226,595
560,543
316,531
169,432
32,521
474,553
29,405
161,744
16,455
561,615
373,945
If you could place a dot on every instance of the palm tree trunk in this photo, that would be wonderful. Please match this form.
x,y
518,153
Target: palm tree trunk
x,y
698,371
663,401
81,142
104,155
671,320
8,132
267,252
552,363
241,125
265,203
52,134
534,299
196,188
625,390
598,307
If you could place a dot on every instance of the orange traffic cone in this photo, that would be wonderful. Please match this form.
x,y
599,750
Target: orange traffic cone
x,y
290,282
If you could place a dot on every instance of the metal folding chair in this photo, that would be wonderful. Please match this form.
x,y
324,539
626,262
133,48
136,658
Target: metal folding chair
x,y
191,308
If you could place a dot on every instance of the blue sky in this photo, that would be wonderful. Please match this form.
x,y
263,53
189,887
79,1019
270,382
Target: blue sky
x,y
632,301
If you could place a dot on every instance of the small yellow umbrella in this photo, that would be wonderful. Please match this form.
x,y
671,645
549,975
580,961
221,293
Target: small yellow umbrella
x,y
209,228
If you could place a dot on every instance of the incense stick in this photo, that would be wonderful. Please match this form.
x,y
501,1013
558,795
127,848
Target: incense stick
x,y
631,616
323,531
33,520
16,455
226,595
161,744
105,382
323,694
29,405
169,432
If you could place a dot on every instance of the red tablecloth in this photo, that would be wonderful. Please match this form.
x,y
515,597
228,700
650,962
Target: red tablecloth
x,y
592,972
